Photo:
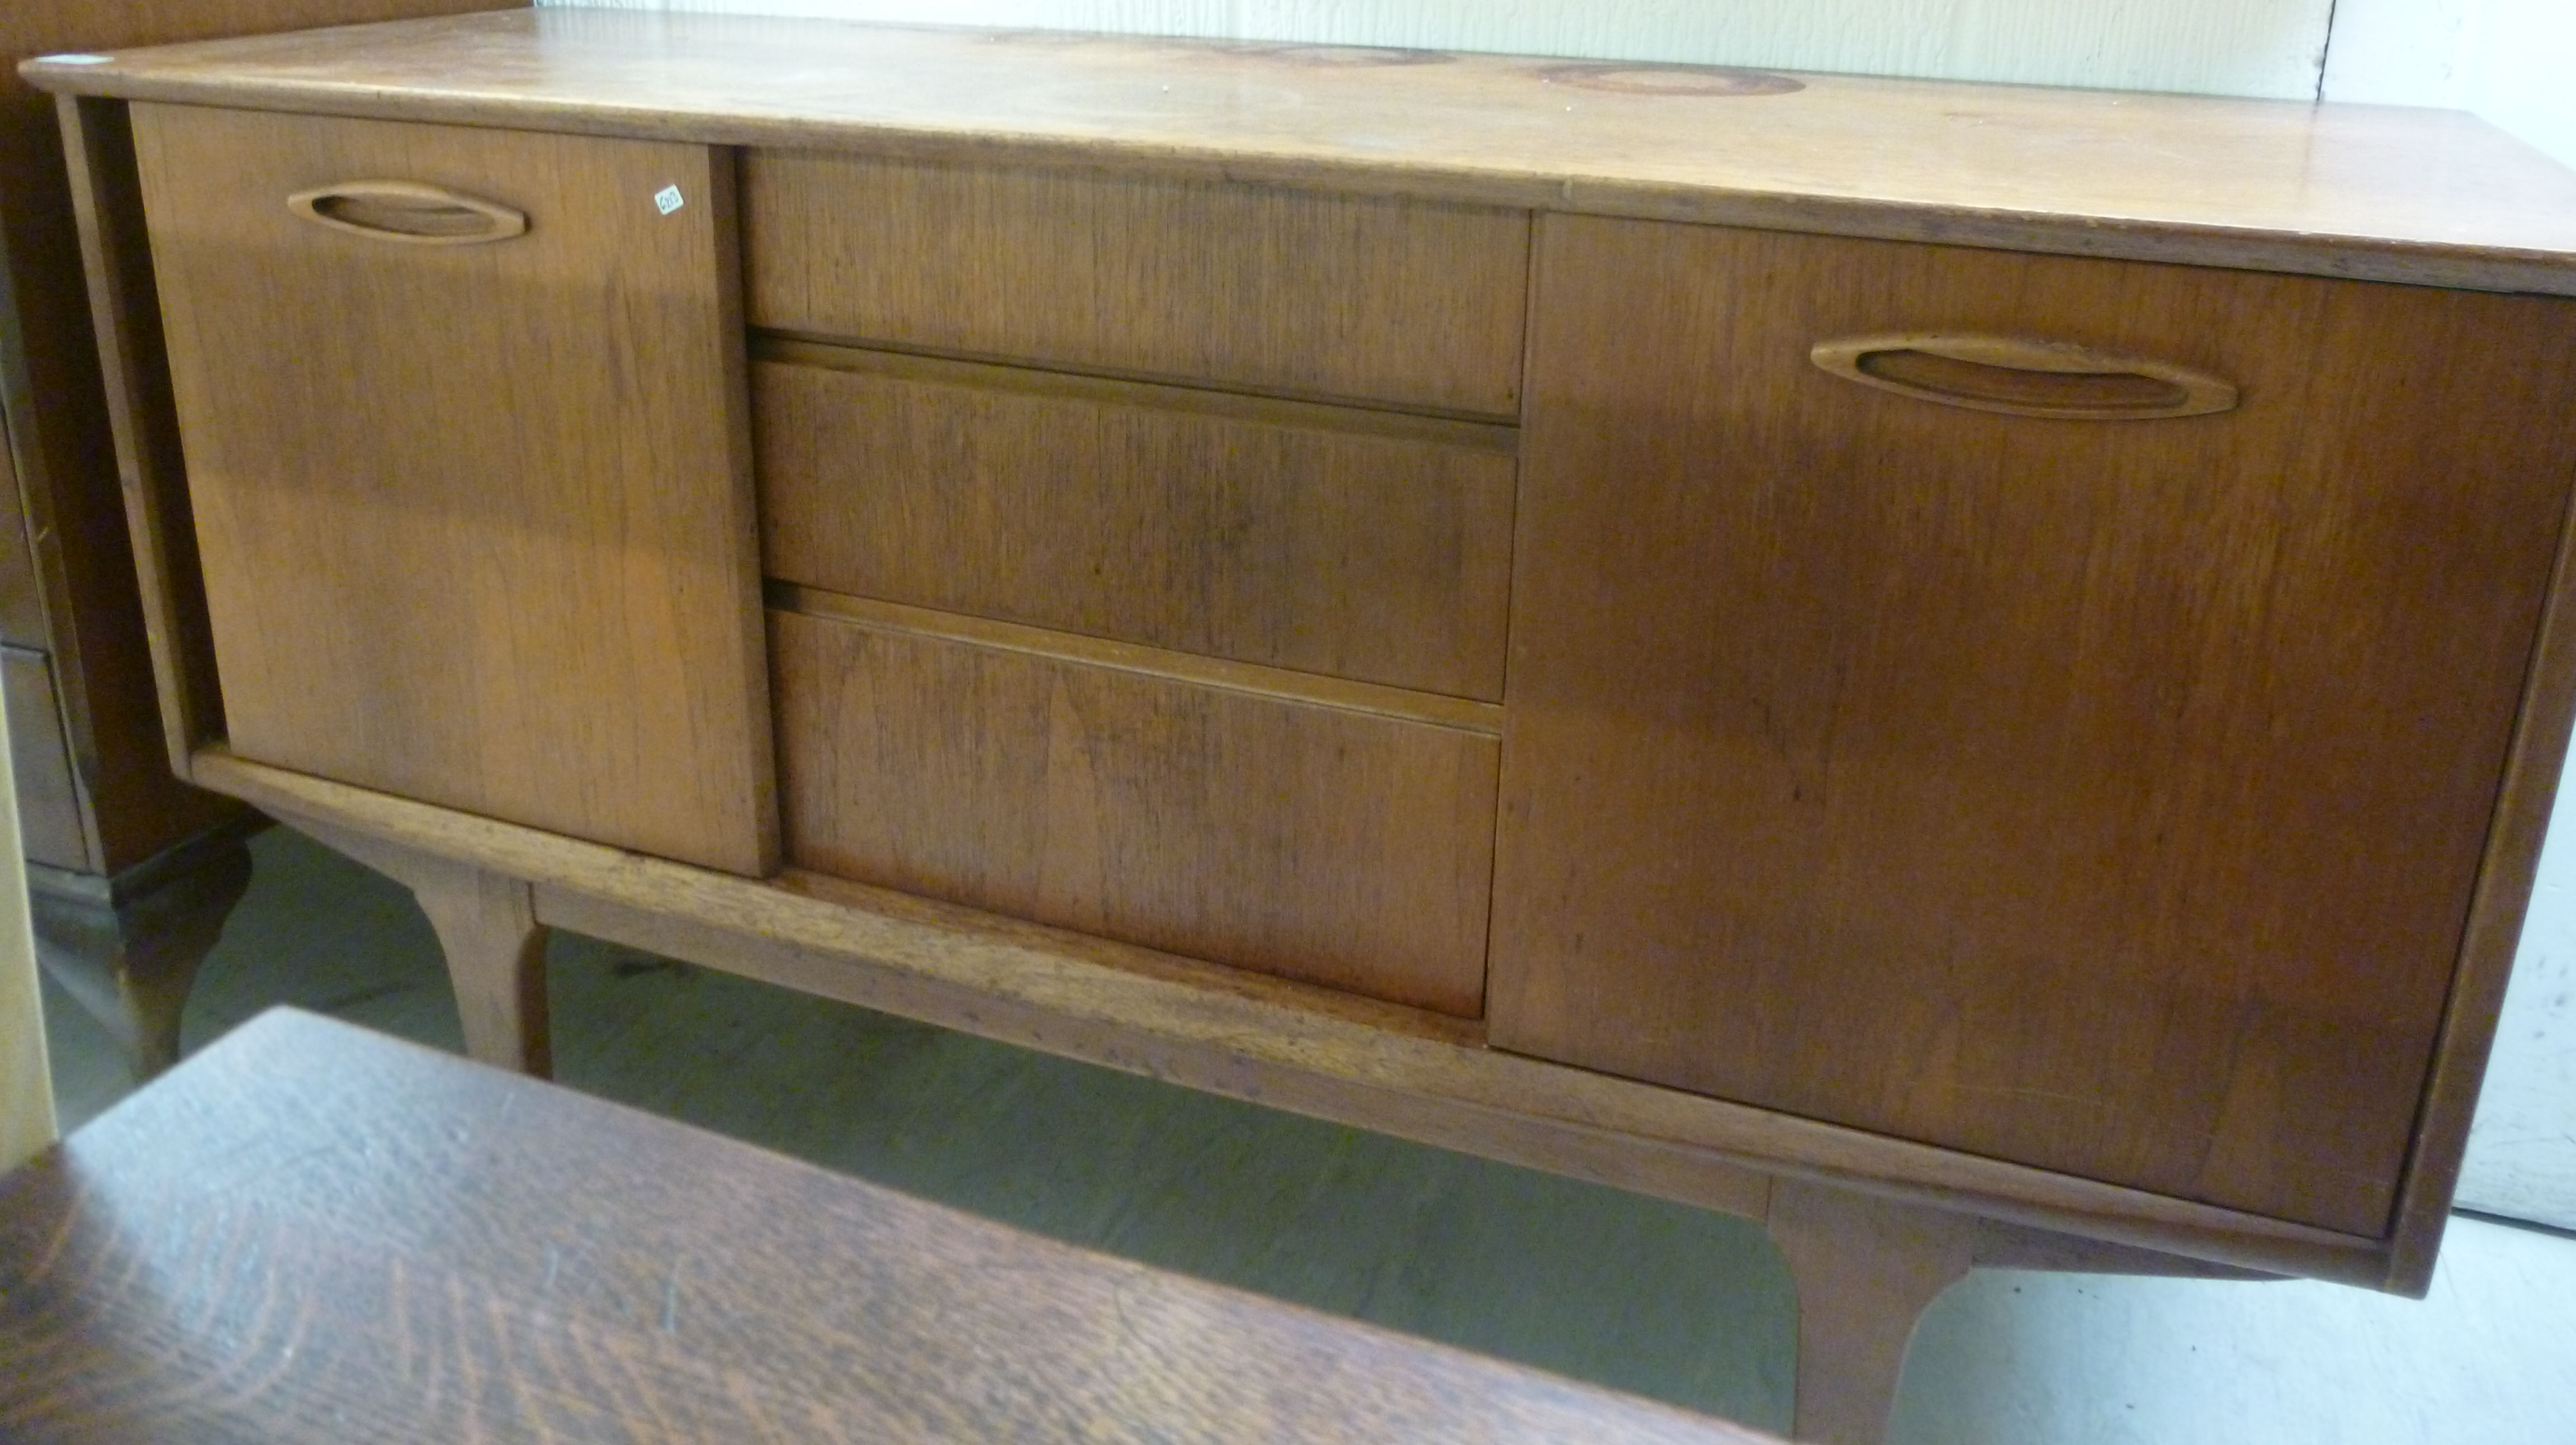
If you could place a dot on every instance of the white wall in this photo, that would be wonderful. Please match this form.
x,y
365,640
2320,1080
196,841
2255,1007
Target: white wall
x,y
2518,71
2228,47
2508,60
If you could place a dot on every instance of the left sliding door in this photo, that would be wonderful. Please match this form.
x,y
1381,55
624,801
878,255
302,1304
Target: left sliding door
x,y
464,423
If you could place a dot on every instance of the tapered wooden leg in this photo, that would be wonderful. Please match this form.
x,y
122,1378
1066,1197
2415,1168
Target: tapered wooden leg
x,y
1865,1269
496,957
487,926
128,948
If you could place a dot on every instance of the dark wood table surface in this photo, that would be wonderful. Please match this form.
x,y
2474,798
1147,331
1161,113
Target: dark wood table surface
x,y
312,1233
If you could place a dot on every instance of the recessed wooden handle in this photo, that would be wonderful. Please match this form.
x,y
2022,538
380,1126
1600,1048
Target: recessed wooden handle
x,y
2019,376
408,211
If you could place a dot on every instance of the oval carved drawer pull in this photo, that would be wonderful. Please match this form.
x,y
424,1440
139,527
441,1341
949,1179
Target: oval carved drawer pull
x,y
2022,377
408,211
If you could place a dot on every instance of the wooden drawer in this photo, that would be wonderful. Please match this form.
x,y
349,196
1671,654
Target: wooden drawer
x,y
1316,842
2101,795
1412,303
476,518
1358,544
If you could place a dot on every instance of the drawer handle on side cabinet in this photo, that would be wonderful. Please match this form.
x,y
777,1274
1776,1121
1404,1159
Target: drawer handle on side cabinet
x,y
408,211
2022,377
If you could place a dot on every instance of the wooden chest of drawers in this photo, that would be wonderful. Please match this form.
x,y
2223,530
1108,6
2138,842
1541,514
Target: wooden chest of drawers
x,y
1680,644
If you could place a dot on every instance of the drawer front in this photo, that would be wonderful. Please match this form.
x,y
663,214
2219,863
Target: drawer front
x,y
475,516
1408,303
2101,795
1356,544
1311,842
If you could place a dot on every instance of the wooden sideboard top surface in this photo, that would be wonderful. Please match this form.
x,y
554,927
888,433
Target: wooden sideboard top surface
x,y
2377,192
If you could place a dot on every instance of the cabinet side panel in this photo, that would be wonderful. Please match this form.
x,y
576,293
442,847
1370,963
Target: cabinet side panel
x,y
1272,834
138,805
476,519
2102,796
2487,953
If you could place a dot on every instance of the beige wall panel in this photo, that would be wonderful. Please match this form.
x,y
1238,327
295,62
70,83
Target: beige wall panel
x,y
26,1092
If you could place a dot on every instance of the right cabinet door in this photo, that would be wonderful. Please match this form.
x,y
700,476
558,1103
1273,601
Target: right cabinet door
x,y
2100,794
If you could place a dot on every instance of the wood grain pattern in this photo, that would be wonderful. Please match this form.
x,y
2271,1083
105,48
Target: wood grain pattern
x,y
1411,303
476,521
50,387
2387,192
50,815
1355,544
395,1253
1376,1066
1311,842
2103,798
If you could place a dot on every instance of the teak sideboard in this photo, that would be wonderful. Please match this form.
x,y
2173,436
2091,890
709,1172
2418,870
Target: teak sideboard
x,y
1976,673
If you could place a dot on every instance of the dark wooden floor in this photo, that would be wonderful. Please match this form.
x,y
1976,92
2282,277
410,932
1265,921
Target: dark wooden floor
x,y
312,1234
1673,1303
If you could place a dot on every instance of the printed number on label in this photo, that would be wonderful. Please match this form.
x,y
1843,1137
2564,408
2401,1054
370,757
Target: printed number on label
x,y
669,199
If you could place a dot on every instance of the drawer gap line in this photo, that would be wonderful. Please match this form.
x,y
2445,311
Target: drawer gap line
x,y
1106,384
1466,715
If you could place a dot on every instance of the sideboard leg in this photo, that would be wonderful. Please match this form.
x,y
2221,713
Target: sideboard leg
x,y
1865,1270
487,926
128,948
496,957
